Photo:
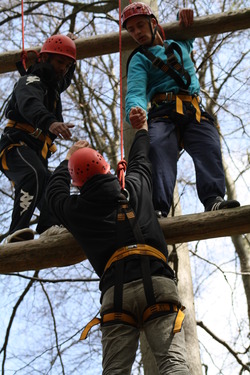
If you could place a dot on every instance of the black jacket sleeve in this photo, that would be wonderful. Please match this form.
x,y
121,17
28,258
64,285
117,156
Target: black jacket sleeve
x,y
58,189
29,93
139,169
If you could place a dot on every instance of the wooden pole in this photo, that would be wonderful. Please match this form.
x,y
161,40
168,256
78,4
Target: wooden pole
x,y
63,250
109,43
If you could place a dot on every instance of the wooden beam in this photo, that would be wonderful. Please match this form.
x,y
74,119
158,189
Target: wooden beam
x,y
63,250
109,43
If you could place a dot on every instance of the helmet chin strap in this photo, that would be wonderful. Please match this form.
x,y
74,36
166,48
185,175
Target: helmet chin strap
x,y
153,32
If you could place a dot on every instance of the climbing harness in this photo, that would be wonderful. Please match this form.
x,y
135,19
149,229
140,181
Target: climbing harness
x,y
172,66
36,133
146,252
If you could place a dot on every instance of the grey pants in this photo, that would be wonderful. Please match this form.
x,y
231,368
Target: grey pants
x,y
120,341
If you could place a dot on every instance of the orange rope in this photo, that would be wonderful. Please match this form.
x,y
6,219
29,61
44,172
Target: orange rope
x,y
24,53
121,167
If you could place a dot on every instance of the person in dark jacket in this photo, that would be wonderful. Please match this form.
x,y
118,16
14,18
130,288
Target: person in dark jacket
x,y
121,236
34,114
161,72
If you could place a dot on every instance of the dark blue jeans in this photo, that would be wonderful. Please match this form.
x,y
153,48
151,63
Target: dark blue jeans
x,y
201,141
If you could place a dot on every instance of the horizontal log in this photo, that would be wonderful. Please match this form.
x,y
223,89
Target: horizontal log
x,y
194,227
63,250
109,43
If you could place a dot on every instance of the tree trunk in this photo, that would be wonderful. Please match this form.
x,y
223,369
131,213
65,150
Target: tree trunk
x,y
180,256
241,244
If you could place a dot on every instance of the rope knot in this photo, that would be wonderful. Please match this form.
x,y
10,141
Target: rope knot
x,y
24,56
121,169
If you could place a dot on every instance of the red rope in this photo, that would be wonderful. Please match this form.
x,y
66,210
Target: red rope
x,y
24,53
121,167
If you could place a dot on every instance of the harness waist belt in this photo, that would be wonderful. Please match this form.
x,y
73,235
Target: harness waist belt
x,y
179,99
138,249
35,133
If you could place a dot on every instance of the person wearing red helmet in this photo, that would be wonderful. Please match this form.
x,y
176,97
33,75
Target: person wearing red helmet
x,y
161,72
86,163
34,114
120,234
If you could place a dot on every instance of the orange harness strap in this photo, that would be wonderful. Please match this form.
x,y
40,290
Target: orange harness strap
x,y
179,99
139,249
150,312
159,309
109,318
37,134
3,155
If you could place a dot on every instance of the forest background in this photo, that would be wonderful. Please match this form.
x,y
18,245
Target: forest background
x,y
42,313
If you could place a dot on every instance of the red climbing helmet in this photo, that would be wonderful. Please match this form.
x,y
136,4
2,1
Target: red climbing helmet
x,y
61,45
135,9
86,163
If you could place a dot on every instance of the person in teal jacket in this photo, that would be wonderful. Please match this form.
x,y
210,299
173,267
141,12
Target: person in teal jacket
x,y
161,72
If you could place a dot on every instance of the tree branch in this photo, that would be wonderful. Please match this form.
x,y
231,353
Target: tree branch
x,y
235,354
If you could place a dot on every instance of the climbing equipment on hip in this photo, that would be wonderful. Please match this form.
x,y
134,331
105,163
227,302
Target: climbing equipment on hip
x,y
145,252
36,133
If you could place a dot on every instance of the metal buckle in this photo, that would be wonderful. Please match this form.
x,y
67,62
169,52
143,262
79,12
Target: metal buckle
x,y
131,247
36,134
169,96
126,193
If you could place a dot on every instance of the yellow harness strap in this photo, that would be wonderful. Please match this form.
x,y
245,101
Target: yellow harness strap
x,y
159,308
88,327
48,146
151,311
3,154
114,317
179,320
187,98
179,99
139,249
37,134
